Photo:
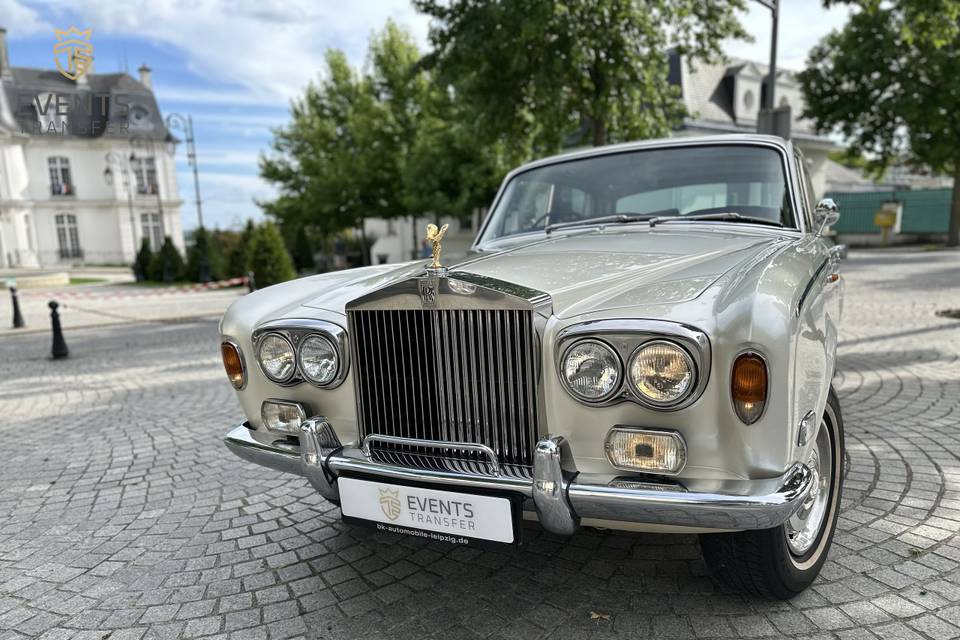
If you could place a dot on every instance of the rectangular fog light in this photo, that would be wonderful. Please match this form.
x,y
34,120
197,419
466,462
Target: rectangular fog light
x,y
283,416
647,450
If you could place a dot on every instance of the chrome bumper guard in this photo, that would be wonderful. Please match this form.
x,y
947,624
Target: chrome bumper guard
x,y
559,499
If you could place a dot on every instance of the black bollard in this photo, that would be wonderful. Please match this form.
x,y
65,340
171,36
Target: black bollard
x,y
59,344
17,317
251,282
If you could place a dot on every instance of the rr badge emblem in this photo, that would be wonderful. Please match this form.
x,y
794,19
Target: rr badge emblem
x,y
428,292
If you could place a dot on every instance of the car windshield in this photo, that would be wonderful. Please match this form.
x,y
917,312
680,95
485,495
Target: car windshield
x,y
633,186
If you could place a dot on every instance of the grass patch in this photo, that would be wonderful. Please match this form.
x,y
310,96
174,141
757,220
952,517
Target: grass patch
x,y
82,280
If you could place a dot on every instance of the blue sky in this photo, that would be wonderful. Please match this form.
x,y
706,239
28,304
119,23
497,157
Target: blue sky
x,y
234,65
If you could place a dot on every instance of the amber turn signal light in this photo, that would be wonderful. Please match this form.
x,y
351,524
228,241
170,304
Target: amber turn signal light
x,y
748,387
233,364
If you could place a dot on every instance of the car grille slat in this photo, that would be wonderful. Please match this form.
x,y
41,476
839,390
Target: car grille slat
x,y
461,375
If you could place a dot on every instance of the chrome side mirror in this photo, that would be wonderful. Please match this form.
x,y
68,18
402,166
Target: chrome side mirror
x,y
826,214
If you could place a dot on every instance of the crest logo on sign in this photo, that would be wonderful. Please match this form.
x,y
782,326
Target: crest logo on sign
x,y
390,503
73,52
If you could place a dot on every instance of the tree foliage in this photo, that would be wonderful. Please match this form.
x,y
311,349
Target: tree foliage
x,y
542,70
340,160
238,262
386,142
141,264
206,245
888,83
166,265
268,256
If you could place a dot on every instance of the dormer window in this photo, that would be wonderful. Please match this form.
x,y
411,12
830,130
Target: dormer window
x,y
61,183
145,169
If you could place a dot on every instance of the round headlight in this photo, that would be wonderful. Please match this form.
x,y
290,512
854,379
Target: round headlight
x,y
591,370
276,357
318,359
662,372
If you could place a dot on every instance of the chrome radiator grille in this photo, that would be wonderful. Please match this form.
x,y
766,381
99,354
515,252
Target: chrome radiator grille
x,y
462,375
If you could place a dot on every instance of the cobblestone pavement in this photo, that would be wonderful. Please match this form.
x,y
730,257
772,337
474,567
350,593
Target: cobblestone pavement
x,y
122,516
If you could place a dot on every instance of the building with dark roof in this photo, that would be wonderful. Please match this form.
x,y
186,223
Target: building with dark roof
x,y
726,98
86,167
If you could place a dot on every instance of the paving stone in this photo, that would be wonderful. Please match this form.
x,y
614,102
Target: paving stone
x,y
131,518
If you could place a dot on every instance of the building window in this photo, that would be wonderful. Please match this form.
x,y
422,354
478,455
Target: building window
x,y
67,237
152,229
146,171
60,179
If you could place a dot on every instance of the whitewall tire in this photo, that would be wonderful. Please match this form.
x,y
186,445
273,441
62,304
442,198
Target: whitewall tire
x,y
783,561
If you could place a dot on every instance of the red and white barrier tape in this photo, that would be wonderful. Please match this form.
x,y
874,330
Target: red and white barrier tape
x,y
113,291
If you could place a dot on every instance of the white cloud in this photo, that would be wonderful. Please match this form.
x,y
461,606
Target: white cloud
x,y
20,20
268,49
802,24
228,198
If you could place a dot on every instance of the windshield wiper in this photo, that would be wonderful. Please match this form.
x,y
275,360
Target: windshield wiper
x,y
730,216
619,218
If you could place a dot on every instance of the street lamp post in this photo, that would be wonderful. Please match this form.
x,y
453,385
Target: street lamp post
x,y
768,120
185,124
122,163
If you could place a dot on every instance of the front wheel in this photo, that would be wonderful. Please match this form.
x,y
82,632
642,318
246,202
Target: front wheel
x,y
783,561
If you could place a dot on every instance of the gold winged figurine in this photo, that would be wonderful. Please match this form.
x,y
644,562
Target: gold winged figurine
x,y
434,236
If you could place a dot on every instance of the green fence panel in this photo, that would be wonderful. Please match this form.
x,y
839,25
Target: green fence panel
x,y
857,209
925,210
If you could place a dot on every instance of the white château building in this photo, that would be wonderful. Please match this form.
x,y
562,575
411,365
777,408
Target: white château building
x,y
86,168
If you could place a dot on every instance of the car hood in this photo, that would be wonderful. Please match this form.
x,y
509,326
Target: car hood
x,y
610,268
597,269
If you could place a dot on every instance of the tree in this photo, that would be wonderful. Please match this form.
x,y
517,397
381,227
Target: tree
x,y
141,265
269,259
238,262
341,159
887,82
542,70
204,245
166,264
303,251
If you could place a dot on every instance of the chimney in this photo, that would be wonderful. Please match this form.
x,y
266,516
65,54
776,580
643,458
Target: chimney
x,y
82,80
4,54
145,76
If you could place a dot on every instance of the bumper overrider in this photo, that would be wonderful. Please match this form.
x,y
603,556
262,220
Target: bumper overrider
x,y
560,498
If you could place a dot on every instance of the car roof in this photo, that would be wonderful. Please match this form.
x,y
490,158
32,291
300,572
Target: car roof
x,y
660,143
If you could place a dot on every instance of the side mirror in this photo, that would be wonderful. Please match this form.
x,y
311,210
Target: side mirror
x,y
826,214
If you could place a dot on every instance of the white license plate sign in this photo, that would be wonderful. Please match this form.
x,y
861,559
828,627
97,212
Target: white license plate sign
x,y
452,516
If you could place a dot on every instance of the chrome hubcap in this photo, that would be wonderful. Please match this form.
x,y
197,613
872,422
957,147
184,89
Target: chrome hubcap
x,y
804,526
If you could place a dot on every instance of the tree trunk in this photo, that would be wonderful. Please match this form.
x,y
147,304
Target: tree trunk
x,y
599,132
365,250
953,235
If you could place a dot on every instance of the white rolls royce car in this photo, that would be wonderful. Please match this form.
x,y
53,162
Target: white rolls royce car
x,y
642,338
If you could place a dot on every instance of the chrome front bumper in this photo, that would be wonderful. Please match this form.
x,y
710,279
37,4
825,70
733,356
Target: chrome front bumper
x,y
561,499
